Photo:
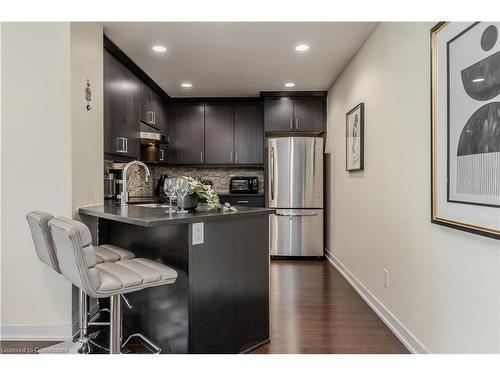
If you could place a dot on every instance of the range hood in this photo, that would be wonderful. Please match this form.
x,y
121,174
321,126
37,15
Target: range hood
x,y
150,135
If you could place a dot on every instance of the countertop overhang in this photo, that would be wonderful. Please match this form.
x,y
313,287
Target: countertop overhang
x,y
154,217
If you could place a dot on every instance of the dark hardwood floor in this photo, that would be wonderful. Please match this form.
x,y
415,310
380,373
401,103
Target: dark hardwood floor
x,y
315,310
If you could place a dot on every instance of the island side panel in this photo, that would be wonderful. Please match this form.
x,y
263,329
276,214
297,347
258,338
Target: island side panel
x,y
160,313
229,286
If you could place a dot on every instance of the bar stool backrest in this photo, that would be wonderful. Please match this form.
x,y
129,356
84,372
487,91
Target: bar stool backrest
x,y
75,253
38,222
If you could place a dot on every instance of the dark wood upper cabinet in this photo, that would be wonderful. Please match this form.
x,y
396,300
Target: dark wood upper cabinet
x,y
231,133
157,110
187,134
219,134
308,114
151,105
291,114
121,109
163,124
248,134
164,148
278,114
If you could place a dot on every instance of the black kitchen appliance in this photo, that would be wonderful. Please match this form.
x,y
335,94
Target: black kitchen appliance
x,y
244,185
109,186
159,192
118,181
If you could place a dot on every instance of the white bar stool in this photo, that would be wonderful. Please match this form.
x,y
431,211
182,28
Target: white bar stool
x,y
38,222
77,262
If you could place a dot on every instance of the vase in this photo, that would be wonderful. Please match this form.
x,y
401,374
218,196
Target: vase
x,y
190,201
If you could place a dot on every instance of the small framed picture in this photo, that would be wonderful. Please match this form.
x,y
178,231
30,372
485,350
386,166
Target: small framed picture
x,y
355,129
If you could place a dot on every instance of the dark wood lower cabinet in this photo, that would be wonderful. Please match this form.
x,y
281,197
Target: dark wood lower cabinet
x,y
220,301
244,200
230,297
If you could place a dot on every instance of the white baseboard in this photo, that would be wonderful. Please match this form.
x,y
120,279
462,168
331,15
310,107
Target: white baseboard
x,y
401,332
32,332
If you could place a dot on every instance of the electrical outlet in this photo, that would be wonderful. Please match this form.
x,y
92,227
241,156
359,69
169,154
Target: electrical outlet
x,y
197,230
386,278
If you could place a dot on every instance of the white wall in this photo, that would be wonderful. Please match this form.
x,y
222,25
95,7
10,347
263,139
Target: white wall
x,y
444,283
45,139
87,126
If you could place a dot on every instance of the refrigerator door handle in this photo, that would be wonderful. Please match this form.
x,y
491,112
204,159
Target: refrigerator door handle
x,y
297,215
272,173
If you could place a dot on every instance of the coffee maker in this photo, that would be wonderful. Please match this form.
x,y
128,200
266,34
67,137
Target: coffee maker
x,y
159,187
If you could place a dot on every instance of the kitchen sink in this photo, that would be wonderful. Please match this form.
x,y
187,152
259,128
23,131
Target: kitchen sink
x,y
152,205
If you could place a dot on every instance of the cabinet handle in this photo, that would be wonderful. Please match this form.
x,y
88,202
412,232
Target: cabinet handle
x,y
201,156
243,202
154,118
296,123
231,156
297,215
236,156
151,117
272,173
122,144
291,123
161,155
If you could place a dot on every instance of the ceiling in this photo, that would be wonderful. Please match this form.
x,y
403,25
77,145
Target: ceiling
x,y
240,58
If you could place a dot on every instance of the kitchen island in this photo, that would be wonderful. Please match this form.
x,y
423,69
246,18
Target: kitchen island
x,y
220,301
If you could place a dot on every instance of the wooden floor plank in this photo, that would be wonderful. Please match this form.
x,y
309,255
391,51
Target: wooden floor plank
x,y
315,310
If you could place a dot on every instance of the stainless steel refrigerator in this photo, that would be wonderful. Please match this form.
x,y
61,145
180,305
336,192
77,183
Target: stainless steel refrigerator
x,y
295,190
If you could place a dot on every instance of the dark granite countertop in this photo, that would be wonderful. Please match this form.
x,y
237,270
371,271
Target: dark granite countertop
x,y
157,216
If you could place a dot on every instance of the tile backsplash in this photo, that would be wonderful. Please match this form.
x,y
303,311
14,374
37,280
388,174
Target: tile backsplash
x,y
220,177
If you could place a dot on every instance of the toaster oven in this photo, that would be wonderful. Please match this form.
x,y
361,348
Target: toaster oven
x,y
244,184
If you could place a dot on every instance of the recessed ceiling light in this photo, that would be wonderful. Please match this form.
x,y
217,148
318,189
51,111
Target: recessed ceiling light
x,y
478,80
159,49
302,48
289,84
186,85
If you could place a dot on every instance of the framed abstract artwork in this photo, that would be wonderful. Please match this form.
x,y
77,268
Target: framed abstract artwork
x,y
465,118
355,126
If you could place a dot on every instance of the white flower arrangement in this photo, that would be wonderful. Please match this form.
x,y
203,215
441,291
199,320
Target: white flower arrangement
x,y
206,192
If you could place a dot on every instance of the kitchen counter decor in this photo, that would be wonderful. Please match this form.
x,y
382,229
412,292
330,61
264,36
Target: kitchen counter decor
x,y
206,192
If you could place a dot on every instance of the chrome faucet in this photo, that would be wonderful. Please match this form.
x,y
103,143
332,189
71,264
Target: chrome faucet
x,y
124,194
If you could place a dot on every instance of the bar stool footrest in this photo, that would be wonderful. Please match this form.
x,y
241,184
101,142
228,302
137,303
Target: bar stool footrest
x,y
145,341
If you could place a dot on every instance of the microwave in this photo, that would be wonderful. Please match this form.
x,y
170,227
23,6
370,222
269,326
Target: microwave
x,y
244,184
